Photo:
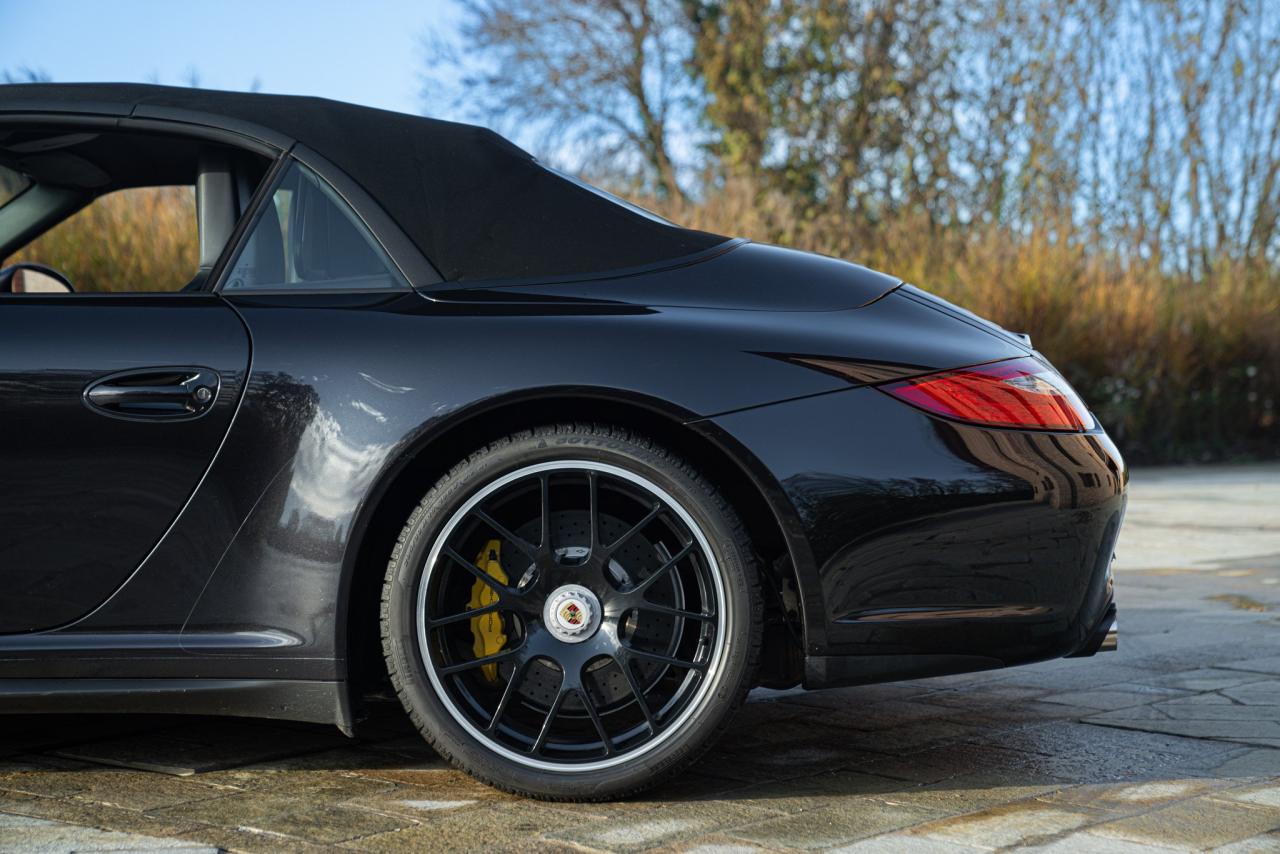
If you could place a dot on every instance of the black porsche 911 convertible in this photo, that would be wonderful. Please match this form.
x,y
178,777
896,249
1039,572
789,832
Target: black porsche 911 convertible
x,y
573,477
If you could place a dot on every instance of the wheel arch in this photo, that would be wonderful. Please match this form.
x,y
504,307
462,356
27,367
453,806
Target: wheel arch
x,y
436,449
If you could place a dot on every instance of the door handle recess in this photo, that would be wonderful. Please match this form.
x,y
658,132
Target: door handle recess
x,y
155,394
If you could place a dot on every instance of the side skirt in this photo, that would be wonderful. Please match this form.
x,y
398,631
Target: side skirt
x,y
285,699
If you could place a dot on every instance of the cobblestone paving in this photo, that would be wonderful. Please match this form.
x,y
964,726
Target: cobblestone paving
x,y
1171,744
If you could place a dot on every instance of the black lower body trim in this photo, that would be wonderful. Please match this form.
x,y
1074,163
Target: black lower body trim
x,y
286,699
832,671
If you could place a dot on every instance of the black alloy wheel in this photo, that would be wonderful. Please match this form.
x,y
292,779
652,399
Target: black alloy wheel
x,y
572,619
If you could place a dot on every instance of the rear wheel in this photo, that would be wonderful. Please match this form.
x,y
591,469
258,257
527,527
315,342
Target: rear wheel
x,y
572,613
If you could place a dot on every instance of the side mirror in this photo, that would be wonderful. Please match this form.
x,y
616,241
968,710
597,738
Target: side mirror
x,y
25,278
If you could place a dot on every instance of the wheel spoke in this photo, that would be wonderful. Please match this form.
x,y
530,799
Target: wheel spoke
x,y
637,528
675,612
517,676
666,659
625,664
641,588
541,741
438,622
479,573
479,662
501,530
595,720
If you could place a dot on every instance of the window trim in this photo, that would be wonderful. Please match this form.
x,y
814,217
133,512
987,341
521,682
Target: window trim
x,y
191,130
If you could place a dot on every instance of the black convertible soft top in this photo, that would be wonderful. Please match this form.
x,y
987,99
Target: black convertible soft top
x,y
476,205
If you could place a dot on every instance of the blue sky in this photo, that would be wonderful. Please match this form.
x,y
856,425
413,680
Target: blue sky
x,y
364,51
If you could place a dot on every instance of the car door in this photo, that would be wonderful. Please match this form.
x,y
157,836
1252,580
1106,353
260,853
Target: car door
x,y
114,396
111,410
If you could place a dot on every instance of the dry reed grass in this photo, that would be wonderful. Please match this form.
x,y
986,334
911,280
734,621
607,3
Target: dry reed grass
x,y
142,239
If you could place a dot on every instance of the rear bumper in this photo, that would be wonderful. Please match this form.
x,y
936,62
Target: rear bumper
x,y
1105,636
926,547
1111,640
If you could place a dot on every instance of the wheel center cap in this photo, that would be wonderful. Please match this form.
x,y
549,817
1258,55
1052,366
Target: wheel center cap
x,y
572,613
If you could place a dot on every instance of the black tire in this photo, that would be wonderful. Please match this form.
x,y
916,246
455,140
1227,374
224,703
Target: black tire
x,y
720,632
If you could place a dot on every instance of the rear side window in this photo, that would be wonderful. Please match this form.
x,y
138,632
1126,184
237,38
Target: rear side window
x,y
309,239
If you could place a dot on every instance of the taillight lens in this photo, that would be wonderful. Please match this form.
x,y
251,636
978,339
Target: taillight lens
x,y
1023,393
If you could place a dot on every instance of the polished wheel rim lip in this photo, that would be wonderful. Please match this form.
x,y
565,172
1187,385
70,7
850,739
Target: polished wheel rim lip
x,y
715,660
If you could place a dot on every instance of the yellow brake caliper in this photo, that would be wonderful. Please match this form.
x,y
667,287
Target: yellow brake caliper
x,y
487,629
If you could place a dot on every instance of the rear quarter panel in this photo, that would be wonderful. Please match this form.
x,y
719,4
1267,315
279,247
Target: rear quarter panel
x,y
931,537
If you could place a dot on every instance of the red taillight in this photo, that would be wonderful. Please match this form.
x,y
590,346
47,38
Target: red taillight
x,y
1023,393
